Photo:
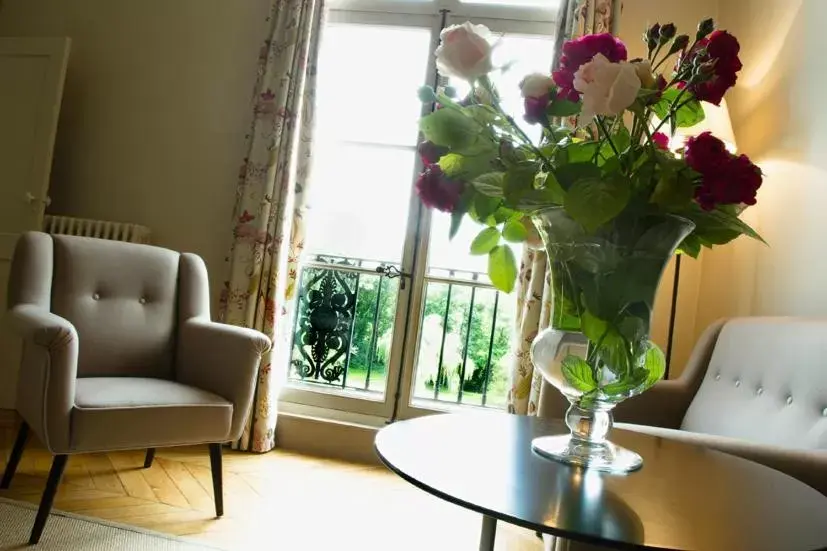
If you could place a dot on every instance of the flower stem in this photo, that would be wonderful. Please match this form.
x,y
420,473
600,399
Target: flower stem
x,y
486,83
601,123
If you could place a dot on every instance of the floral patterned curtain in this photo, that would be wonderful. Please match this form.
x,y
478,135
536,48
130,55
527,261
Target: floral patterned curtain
x,y
267,220
577,17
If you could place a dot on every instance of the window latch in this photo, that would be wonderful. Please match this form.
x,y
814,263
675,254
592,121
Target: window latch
x,y
392,272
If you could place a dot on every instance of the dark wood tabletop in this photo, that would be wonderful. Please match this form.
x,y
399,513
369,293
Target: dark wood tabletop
x,y
685,497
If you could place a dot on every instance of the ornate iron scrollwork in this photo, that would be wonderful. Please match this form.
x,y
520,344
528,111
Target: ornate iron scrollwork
x,y
324,324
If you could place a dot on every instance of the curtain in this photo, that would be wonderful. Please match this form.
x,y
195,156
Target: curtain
x,y
577,17
267,233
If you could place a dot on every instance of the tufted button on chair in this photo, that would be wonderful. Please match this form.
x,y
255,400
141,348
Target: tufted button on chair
x,y
118,335
754,387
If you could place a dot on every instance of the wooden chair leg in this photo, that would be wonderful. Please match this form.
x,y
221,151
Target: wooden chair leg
x,y
55,474
150,457
16,453
217,484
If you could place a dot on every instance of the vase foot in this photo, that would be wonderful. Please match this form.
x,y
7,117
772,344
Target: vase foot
x,y
605,457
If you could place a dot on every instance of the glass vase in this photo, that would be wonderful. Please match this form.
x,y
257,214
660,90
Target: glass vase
x,y
596,350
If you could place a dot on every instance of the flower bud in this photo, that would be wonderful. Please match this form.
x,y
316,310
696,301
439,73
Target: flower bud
x,y
704,28
426,94
667,32
680,43
652,36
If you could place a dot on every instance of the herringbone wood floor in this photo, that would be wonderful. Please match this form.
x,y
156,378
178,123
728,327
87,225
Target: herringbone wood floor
x,y
279,500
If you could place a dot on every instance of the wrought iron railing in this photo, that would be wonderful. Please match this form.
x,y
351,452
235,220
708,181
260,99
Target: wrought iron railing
x,y
344,326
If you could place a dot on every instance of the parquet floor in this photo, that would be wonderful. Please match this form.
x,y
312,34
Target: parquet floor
x,y
279,500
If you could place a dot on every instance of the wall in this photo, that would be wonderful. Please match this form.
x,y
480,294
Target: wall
x,y
779,119
154,112
636,17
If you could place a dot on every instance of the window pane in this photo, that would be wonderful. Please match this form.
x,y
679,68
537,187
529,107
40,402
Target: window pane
x,y
368,78
549,4
358,206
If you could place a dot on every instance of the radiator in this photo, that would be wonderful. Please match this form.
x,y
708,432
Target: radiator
x,y
115,231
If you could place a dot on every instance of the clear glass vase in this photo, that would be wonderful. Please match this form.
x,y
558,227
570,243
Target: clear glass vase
x,y
597,350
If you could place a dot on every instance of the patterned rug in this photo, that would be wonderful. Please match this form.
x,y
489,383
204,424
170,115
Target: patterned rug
x,y
66,531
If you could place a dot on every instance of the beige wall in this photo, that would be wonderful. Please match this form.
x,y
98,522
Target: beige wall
x,y
637,16
154,113
779,116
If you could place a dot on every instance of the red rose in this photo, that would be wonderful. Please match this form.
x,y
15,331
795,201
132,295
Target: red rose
x,y
535,109
726,179
582,50
437,191
705,153
720,49
430,153
661,140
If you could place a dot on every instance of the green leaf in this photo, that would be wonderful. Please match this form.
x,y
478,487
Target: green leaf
x,y
654,363
568,174
449,128
577,152
515,232
688,115
673,191
578,373
691,246
465,167
456,221
718,227
485,241
519,180
593,327
491,184
502,268
553,190
563,108
622,387
595,201
485,206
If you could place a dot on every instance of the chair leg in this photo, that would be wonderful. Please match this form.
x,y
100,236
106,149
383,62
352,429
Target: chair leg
x,y
55,474
150,457
16,453
217,485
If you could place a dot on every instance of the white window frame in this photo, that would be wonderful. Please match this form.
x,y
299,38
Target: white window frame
x,y
350,406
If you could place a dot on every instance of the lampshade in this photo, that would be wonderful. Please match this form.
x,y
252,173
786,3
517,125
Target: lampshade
x,y
716,121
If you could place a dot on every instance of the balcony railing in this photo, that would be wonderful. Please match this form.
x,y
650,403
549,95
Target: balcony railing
x,y
344,327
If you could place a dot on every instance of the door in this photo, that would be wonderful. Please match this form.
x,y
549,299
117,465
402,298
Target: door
x,y
32,72
392,320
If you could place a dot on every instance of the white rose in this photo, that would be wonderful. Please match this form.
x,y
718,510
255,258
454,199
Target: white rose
x,y
644,73
608,88
536,85
465,51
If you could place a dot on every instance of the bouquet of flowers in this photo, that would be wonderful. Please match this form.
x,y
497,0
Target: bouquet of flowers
x,y
603,159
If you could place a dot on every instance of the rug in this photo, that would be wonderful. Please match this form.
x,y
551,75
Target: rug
x,y
67,531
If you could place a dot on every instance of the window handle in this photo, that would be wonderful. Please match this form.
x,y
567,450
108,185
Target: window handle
x,y
392,272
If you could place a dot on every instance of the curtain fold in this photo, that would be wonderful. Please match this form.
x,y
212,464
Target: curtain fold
x,y
577,17
267,226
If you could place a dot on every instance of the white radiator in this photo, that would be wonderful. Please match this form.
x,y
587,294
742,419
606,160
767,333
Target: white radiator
x,y
115,231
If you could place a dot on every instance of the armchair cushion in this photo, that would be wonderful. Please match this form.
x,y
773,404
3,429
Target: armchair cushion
x,y
132,412
121,298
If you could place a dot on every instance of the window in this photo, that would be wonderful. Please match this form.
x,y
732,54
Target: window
x,y
394,319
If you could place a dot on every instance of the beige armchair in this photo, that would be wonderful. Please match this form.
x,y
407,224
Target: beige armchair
x,y
119,353
753,387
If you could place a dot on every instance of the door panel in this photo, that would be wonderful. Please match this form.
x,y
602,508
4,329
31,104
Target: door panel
x,y
32,72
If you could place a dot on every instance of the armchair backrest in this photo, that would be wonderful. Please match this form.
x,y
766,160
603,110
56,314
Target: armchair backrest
x,y
766,383
122,298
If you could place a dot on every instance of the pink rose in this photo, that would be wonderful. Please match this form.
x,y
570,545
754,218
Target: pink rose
x,y
437,191
465,51
608,88
661,141
582,50
536,85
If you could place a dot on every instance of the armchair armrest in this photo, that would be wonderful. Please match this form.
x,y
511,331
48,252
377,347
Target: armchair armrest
x,y
222,359
808,466
46,383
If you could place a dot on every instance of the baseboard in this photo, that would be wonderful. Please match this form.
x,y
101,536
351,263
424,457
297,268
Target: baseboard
x,y
325,438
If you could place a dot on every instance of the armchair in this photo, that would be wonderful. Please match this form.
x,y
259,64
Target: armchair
x,y
119,335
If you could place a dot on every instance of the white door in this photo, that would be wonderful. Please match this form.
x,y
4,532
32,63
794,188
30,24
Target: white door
x,y
32,71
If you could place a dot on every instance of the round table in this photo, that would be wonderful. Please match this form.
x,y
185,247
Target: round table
x,y
685,497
